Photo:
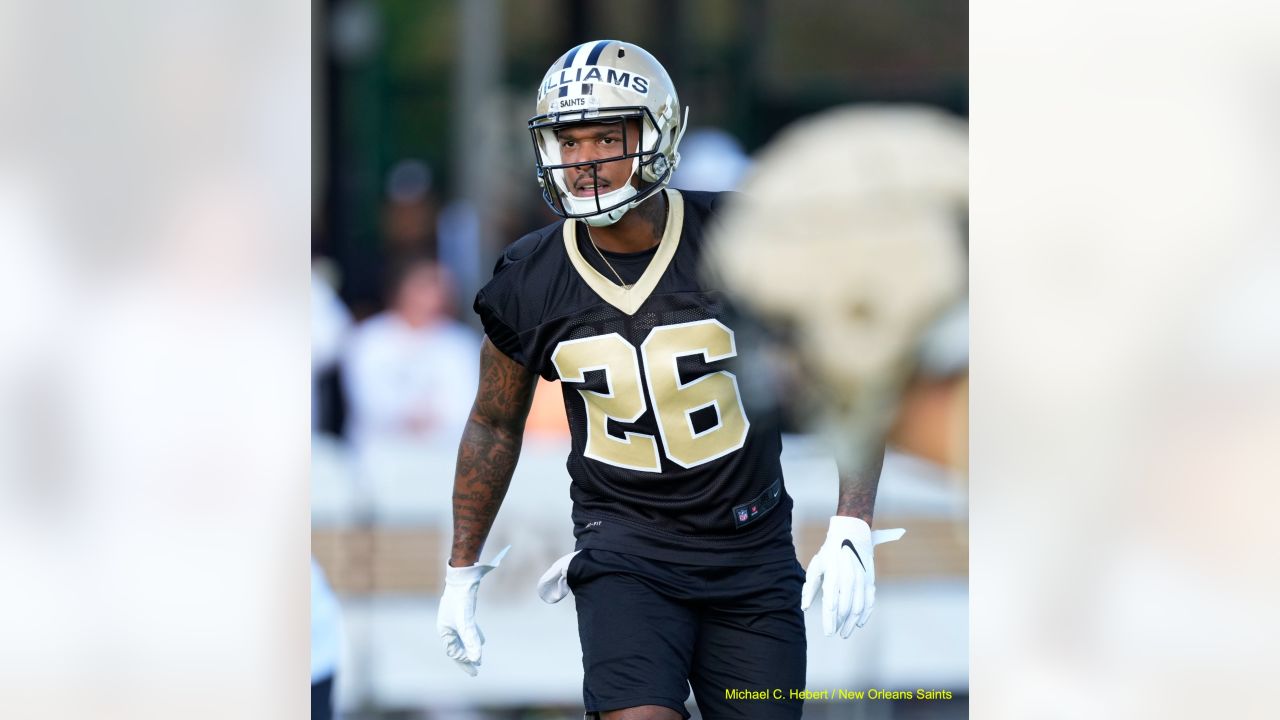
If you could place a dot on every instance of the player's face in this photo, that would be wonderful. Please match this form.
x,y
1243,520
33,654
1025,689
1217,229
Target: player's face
x,y
597,141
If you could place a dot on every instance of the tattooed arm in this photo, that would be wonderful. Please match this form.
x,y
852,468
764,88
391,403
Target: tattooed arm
x,y
847,580
489,449
858,489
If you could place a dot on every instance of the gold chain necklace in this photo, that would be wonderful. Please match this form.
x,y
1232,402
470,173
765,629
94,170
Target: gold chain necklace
x,y
607,264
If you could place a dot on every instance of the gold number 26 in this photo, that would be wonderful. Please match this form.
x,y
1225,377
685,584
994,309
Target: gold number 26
x,y
674,402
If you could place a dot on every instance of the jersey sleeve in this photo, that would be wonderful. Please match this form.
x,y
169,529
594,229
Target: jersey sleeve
x,y
498,301
498,331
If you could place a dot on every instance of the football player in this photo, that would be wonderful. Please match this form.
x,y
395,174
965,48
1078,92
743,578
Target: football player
x,y
685,574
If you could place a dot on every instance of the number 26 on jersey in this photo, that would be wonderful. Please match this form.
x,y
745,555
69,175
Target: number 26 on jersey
x,y
674,402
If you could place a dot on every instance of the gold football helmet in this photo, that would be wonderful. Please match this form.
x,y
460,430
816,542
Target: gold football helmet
x,y
607,81
853,242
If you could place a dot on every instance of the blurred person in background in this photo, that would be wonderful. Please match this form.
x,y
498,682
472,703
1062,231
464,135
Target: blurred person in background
x,y
406,230
330,323
409,215
326,643
409,373
685,574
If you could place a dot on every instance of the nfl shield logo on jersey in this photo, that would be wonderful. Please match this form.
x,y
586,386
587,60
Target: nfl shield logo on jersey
x,y
742,515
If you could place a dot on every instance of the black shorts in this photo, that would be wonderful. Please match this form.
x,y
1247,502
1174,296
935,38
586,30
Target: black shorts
x,y
651,630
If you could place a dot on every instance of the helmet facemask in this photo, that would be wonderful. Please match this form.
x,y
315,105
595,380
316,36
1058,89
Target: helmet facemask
x,y
650,169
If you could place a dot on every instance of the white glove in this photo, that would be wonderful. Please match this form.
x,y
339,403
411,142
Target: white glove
x,y
456,621
847,573
554,583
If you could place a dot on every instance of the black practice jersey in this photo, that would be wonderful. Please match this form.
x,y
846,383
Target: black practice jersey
x,y
666,461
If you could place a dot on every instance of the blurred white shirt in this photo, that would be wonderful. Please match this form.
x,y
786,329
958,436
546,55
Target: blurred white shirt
x,y
410,383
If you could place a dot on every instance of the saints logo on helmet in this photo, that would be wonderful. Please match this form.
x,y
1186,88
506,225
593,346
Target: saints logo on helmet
x,y
607,82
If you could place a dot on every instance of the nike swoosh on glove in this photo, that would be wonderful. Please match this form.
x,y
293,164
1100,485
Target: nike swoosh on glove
x,y
554,583
846,572
456,620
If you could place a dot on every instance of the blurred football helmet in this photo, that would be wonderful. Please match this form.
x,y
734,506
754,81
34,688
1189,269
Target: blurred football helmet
x,y
607,81
852,250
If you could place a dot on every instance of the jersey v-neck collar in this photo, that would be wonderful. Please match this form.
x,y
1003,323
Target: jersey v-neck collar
x,y
629,300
